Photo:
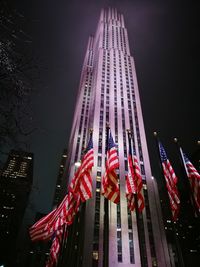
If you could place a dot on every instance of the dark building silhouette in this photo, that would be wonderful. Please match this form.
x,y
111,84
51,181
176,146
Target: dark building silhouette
x,y
59,183
15,185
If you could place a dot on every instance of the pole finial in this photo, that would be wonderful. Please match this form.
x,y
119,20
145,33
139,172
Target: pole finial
x,y
175,140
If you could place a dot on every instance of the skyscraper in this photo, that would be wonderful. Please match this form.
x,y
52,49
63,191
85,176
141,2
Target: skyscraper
x,y
108,92
15,185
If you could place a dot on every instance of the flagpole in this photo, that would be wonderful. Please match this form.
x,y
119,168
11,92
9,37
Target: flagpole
x,y
186,179
81,225
62,245
177,244
136,205
106,215
73,228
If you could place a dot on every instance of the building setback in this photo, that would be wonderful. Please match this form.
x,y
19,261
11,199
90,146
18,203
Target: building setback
x,y
108,92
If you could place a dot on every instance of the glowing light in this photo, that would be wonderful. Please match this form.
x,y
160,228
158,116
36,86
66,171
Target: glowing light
x,y
77,164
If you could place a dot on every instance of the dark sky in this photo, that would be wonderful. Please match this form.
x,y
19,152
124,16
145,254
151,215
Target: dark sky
x,y
163,38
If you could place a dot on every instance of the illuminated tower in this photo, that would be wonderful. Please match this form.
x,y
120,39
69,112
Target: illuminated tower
x,y
108,92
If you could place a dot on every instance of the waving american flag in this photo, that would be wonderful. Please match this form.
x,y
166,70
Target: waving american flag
x,y
194,179
110,186
171,181
134,185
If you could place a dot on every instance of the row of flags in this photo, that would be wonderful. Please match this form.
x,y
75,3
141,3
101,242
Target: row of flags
x,y
171,181
50,227
54,225
134,185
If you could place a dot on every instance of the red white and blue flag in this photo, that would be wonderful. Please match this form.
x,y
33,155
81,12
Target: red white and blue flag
x,y
134,185
171,183
37,231
80,189
110,185
82,182
194,179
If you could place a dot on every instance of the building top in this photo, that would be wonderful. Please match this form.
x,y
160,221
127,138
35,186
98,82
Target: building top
x,y
19,165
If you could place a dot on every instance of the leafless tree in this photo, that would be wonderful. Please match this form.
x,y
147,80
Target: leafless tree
x,y
16,80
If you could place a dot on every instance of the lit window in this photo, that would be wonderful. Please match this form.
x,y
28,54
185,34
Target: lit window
x,y
95,255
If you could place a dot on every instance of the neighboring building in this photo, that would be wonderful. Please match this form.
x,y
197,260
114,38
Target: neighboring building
x,y
15,185
108,92
59,183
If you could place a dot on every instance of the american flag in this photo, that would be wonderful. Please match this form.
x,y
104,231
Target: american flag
x,y
37,231
82,182
80,189
55,248
64,214
110,186
171,181
134,183
194,179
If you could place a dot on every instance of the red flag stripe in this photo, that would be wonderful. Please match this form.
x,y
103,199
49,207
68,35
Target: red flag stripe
x,y
86,187
43,220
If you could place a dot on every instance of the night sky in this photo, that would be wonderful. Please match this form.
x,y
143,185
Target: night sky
x,y
163,38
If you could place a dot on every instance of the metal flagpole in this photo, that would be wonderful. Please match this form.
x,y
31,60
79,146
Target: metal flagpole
x,y
81,224
177,244
62,245
190,196
106,216
136,204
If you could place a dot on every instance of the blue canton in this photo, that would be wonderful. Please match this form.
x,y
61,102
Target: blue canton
x,y
163,154
111,143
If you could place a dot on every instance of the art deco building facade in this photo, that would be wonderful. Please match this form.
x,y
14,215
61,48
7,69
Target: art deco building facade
x,y
108,92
